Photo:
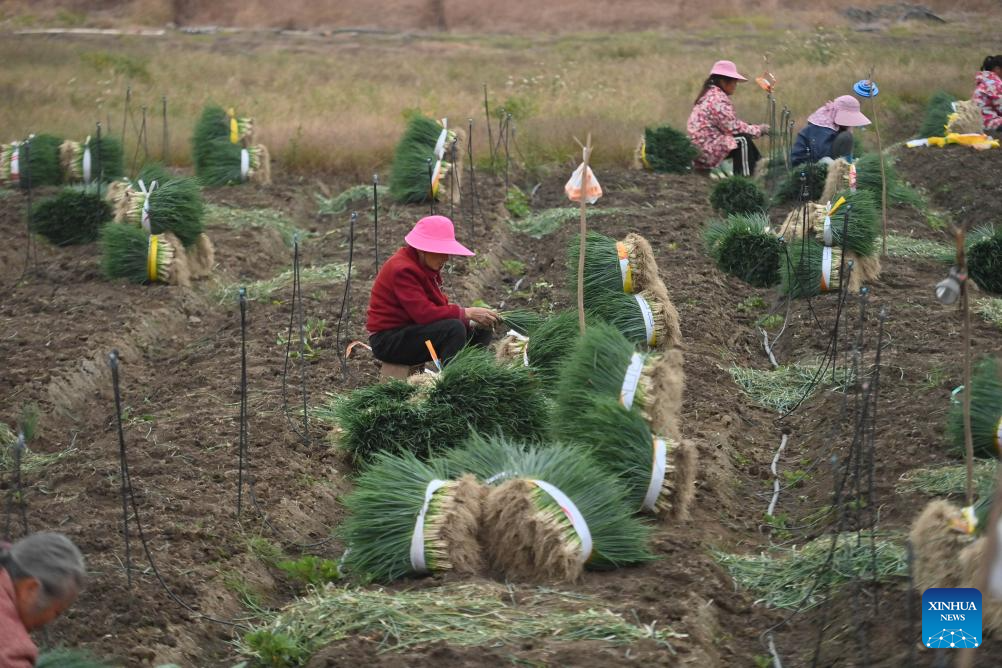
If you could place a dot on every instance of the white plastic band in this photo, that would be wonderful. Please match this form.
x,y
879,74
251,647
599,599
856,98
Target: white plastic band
x,y
146,204
828,230
442,138
573,514
15,163
624,268
86,164
645,308
631,380
525,344
826,269
504,475
998,436
417,538
916,143
658,468
852,177
244,164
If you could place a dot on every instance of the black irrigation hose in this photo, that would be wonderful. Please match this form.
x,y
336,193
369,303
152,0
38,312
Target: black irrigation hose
x,y
344,315
129,498
487,115
123,467
296,310
375,218
16,494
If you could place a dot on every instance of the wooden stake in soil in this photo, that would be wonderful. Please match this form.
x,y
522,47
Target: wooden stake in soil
x,y
584,231
872,88
965,306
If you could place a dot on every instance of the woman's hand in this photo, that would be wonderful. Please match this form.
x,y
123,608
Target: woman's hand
x,y
482,316
763,129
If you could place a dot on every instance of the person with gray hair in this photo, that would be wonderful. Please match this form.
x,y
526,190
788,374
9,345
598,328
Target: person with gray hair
x,y
40,577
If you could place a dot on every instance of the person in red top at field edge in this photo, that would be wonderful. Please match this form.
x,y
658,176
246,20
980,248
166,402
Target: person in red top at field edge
x,y
988,93
408,306
40,577
724,142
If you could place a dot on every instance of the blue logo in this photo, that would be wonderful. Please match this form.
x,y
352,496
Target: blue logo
x,y
951,618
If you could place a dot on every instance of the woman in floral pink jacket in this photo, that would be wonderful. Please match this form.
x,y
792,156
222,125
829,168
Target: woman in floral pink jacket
x,y
714,127
988,92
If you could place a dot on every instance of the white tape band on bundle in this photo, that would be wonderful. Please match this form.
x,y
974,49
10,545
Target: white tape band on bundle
x,y
497,477
525,344
417,538
573,514
146,204
916,143
645,308
828,228
826,268
658,468
15,164
244,164
631,380
624,270
998,436
86,164
442,137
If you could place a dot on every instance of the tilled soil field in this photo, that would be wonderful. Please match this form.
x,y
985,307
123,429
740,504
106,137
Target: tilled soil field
x,y
180,352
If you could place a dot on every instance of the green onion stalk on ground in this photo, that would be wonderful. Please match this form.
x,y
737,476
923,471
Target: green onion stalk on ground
x,y
224,163
410,181
128,252
937,114
604,362
523,321
388,536
986,411
175,206
551,511
621,266
808,269
738,194
744,246
473,392
71,217
659,472
984,262
666,150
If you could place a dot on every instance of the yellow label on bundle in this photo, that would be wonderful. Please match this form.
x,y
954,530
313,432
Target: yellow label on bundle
x,y
151,259
625,270
643,154
835,207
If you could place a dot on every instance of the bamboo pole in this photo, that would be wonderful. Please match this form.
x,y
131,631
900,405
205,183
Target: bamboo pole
x,y
584,230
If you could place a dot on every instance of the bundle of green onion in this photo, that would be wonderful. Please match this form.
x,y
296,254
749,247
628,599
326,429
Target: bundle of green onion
x,y
551,342
406,517
986,411
621,266
984,260
418,166
42,166
744,246
937,114
659,472
73,216
645,318
666,150
738,194
218,123
174,206
859,233
808,269
225,164
791,187
128,252
898,192
551,510
90,160
604,362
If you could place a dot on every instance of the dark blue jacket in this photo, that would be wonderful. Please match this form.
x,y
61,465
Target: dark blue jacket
x,y
815,137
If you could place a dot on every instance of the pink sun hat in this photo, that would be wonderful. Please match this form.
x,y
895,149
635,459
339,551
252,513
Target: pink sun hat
x,y
847,112
436,234
726,68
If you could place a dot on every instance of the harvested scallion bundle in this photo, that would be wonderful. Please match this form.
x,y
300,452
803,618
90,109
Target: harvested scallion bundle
x,y
218,123
175,206
898,192
937,114
410,180
860,234
738,194
984,262
659,472
622,266
986,411
407,517
225,164
643,318
90,160
808,269
790,188
128,252
550,344
551,511
71,217
744,246
42,167
10,162
666,150
522,321
603,361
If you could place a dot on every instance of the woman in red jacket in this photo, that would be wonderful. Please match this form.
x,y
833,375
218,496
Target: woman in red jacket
x,y
40,576
408,306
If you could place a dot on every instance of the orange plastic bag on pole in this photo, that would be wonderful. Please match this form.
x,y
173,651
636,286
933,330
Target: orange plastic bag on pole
x,y
573,186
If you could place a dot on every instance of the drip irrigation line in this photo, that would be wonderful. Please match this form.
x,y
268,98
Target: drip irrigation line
x,y
129,499
296,310
775,474
123,467
344,315
15,495
375,218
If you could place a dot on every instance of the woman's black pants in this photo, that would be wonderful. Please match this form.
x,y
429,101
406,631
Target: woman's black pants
x,y
406,344
745,156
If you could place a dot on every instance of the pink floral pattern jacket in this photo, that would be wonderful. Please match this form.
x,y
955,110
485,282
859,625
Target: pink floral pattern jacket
x,y
712,126
988,96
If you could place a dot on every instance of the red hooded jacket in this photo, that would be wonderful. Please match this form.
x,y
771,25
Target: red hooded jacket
x,y
406,292
16,647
